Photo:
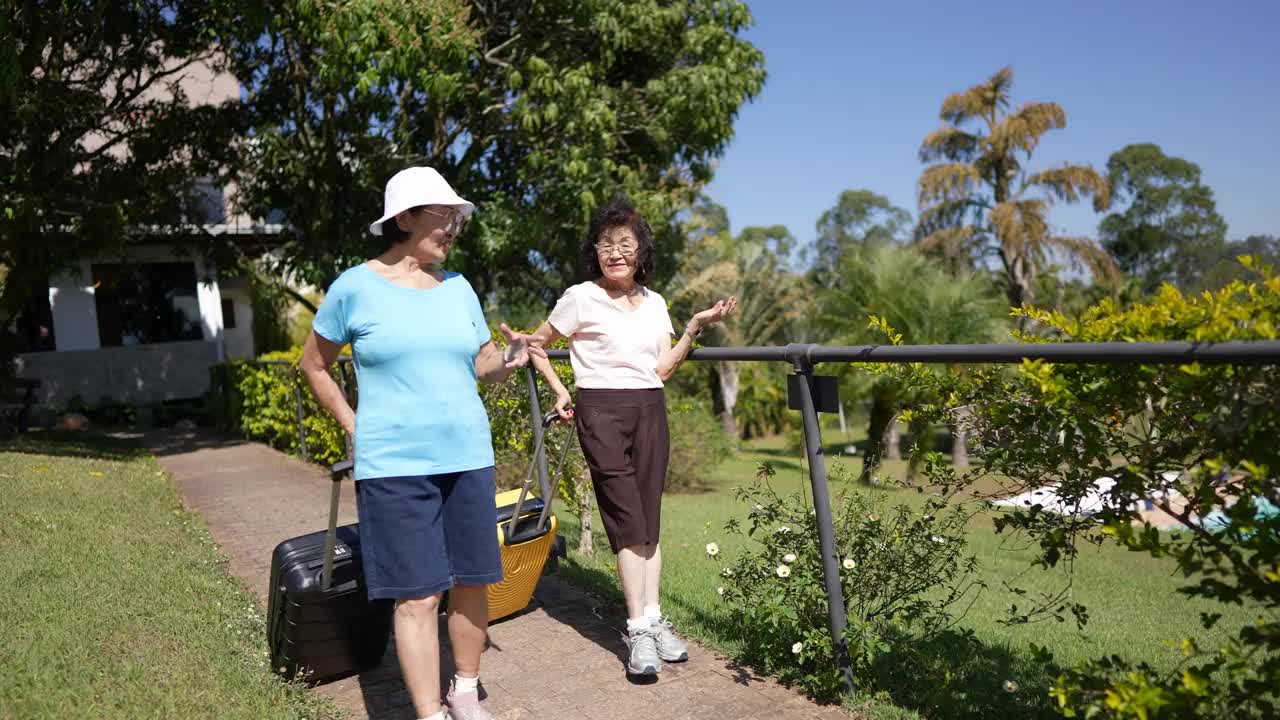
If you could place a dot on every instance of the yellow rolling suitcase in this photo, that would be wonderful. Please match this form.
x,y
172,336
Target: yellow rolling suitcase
x,y
527,532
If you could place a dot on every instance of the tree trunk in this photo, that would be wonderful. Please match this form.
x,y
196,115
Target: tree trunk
x,y
1022,279
1152,429
586,546
920,438
882,415
893,442
727,372
960,439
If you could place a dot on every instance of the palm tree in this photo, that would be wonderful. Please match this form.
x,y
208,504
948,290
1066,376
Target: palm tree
x,y
978,202
771,299
920,300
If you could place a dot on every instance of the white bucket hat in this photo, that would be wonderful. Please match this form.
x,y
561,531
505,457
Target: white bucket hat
x,y
413,187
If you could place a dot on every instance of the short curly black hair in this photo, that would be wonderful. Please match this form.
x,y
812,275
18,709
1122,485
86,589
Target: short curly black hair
x,y
618,212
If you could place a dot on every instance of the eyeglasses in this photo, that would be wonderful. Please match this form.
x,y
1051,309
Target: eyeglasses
x,y
455,218
625,249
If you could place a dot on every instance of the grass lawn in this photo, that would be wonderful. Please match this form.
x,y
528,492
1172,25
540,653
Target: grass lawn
x,y
116,602
1133,609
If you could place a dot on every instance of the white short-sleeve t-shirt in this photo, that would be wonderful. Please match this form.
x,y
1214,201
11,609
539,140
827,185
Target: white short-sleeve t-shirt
x,y
611,348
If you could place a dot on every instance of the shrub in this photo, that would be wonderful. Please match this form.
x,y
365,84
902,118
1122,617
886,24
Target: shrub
x,y
105,412
108,412
902,571
259,399
761,408
698,444
1182,444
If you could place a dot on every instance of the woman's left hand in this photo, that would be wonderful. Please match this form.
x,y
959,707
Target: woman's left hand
x,y
716,313
520,347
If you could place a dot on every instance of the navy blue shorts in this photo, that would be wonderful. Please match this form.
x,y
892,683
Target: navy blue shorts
x,y
423,534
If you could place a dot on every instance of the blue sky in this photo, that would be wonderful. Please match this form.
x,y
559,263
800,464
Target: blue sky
x,y
854,86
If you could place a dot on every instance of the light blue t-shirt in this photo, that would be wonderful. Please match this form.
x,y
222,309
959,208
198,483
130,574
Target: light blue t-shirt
x,y
419,412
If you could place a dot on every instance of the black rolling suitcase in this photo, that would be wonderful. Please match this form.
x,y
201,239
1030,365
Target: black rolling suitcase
x,y
321,626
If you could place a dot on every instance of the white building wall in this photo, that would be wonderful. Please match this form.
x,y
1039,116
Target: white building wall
x,y
238,341
75,317
210,300
137,374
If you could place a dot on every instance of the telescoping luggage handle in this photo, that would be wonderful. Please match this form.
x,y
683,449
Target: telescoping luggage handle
x,y
338,471
549,491
341,469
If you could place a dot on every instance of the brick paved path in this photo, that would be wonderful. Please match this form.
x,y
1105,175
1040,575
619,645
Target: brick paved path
x,y
560,659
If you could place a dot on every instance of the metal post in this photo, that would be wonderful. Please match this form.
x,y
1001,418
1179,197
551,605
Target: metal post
x,y
826,528
535,416
302,427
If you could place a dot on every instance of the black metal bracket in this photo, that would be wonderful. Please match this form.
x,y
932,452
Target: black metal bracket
x,y
825,390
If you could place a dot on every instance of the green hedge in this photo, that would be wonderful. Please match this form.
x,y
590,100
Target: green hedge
x,y
260,401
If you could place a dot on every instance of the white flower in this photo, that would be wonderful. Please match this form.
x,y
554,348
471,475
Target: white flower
x,y
784,530
783,571
720,591
795,649
713,549
759,506
849,564
727,572
937,539
789,557
1011,686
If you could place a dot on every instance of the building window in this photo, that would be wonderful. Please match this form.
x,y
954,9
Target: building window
x,y
208,202
229,314
34,323
146,303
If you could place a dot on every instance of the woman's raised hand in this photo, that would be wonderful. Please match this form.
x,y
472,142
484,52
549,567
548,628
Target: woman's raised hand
x,y
520,347
716,313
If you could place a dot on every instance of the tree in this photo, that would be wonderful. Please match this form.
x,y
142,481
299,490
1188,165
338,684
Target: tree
x,y
978,202
859,220
776,240
1171,230
537,111
1264,249
859,217
103,141
920,300
771,299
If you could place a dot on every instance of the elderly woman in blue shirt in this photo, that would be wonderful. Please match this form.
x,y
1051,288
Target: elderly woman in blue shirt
x,y
423,454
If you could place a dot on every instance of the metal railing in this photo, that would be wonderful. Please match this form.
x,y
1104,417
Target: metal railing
x,y
343,363
810,393
807,395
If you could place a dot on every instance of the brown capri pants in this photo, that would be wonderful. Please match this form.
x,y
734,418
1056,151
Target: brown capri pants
x,y
624,438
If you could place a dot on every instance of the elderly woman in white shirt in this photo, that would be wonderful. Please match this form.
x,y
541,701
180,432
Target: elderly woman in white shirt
x,y
620,348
